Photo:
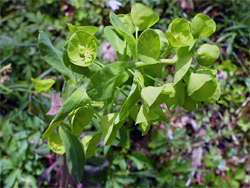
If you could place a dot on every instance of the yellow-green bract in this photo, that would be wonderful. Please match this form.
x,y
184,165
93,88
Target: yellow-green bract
x,y
179,33
42,85
82,48
207,54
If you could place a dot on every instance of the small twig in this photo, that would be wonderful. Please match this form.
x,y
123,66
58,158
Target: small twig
x,y
159,82
242,105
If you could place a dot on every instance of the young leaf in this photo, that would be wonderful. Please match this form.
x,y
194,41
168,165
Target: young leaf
x,y
165,48
201,86
127,21
143,17
42,85
202,26
149,47
79,96
117,43
181,68
123,30
179,33
54,57
89,143
88,29
74,153
79,118
55,144
82,49
103,83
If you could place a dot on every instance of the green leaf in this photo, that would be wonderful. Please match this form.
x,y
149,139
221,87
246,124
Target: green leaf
x,y
127,21
88,29
12,177
131,100
178,97
108,128
110,124
207,54
181,68
86,71
53,57
143,17
141,161
190,104
89,143
239,174
244,124
78,97
55,144
123,30
179,33
42,85
79,118
215,97
117,43
74,153
154,96
202,26
103,83
164,44
82,49
146,115
149,47
201,86
36,109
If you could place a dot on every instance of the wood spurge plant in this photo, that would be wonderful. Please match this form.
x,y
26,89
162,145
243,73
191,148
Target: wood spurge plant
x,y
116,93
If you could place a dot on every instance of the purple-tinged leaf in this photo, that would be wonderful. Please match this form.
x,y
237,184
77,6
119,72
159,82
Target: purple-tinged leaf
x,y
55,105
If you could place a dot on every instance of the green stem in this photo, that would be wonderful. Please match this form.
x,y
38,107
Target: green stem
x,y
122,91
169,61
136,40
98,64
159,82
97,114
131,72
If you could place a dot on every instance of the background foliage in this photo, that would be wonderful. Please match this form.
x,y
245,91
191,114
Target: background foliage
x,y
208,147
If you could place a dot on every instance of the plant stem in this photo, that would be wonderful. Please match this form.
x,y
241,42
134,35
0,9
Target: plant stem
x,y
98,64
159,82
131,72
64,174
97,114
169,61
122,91
136,40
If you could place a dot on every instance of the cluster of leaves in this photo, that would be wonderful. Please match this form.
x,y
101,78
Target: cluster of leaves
x,y
20,60
222,131
91,89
